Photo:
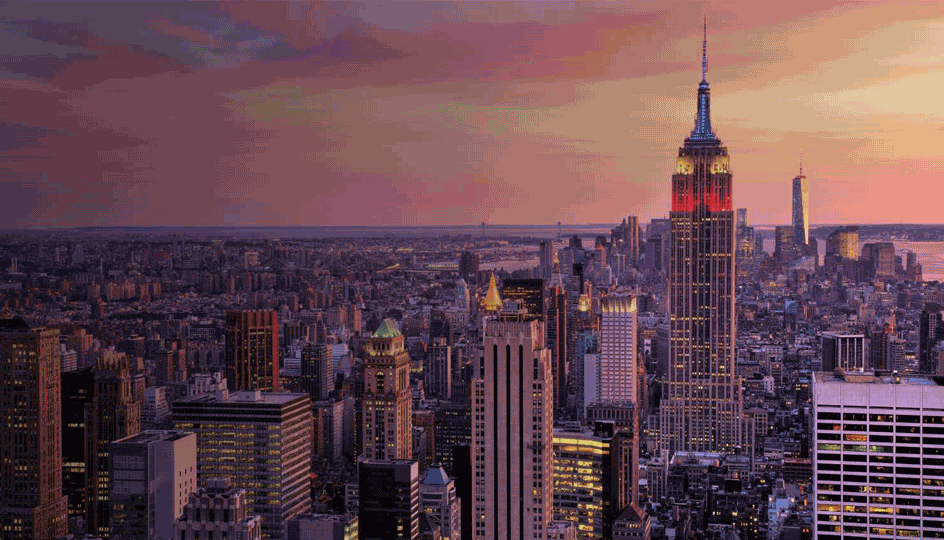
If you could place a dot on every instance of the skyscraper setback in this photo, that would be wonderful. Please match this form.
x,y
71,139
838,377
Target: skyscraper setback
x,y
701,409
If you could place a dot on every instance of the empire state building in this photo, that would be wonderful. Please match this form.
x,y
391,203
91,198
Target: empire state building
x,y
701,408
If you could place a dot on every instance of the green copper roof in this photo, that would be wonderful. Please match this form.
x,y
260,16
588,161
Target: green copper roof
x,y
387,329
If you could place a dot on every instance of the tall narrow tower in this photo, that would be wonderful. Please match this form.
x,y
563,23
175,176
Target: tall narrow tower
x,y
701,410
512,424
801,210
387,403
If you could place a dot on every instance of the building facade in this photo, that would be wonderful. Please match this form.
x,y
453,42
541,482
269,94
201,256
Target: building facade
x,y
262,441
846,351
389,499
619,369
153,474
801,210
252,350
440,503
31,501
512,419
878,454
113,414
387,401
218,511
701,406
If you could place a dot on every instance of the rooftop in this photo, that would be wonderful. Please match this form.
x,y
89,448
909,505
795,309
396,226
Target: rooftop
x,y
149,436
868,377
387,329
244,396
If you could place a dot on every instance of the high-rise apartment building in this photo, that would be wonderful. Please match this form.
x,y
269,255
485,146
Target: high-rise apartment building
x,y
31,501
387,403
512,419
152,475
701,406
317,371
113,414
218,510
846,351
260,440
252,350
389,499
801,210
528,293
619,370
878,450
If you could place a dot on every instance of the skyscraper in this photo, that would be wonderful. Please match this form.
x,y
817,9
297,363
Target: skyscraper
x,y
113,414
317,371
154,473
528,293
801,210
512,432
387,403
701,408
930,333
557,342
78,388
389,499
262,441
875,475
618,367
31,500
252,345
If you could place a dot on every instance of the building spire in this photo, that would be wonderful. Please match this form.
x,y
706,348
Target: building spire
x,y
801,162
702,131
704,51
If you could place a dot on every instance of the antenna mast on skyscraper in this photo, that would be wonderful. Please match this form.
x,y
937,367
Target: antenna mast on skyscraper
x,y
801,162
704,51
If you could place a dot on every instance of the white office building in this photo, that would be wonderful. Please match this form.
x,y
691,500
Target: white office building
x,y
878,456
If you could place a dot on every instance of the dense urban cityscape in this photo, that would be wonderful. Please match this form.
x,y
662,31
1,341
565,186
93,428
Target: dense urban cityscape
x,y
690,377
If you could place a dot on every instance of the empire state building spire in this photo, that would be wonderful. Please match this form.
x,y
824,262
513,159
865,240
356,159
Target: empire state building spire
x,y
702,131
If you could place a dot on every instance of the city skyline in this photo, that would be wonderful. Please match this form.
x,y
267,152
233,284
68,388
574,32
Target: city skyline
x,y
443,114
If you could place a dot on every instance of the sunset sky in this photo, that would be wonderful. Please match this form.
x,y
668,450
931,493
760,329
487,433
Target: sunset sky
x,y
436,113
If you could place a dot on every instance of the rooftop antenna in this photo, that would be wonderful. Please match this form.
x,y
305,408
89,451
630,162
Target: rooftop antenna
x,y
801,162
704,51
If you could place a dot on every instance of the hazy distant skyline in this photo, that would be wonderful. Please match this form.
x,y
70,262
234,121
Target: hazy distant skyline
x,y
439,113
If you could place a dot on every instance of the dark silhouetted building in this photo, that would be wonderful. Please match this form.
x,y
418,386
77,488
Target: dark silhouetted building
x,y
528,293
389,499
